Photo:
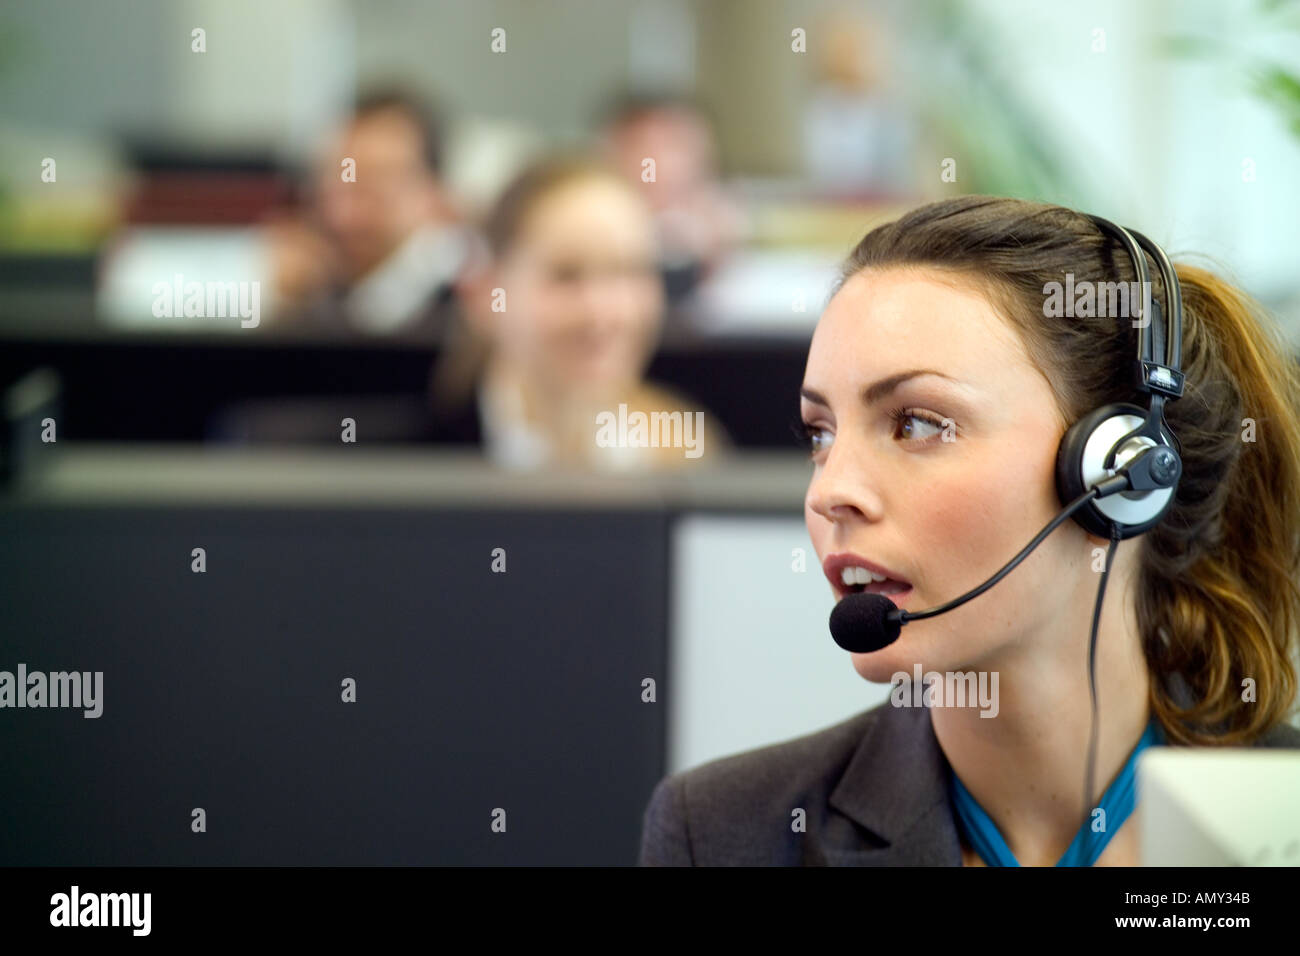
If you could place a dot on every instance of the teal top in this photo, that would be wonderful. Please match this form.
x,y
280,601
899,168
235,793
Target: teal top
x,y
1118,802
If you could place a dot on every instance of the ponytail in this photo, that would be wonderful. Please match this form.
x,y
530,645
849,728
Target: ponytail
x,y
1217,599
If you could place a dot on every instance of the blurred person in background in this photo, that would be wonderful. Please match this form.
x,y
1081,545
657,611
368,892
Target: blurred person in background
x,y
560,326
380,244
697,222
858,137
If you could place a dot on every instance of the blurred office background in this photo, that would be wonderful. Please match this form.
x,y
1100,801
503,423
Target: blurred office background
x,y
145,144
1179,116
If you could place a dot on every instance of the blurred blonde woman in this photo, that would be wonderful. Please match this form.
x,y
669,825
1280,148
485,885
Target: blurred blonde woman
x,y
561,321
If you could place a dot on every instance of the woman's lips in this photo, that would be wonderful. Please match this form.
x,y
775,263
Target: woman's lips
x,y
897,596
841,564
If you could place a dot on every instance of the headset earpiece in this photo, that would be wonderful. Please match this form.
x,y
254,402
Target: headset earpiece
x,y
1080,464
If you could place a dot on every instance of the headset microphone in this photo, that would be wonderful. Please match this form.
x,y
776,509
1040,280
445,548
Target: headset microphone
x,y
1117,467
864,622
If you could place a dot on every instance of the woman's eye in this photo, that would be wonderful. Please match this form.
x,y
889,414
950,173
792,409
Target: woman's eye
x,y
910,425
913,425
566,274
813,438
634,270
819,439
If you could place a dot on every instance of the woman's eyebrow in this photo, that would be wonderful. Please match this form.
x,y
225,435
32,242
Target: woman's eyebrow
x,y
878,390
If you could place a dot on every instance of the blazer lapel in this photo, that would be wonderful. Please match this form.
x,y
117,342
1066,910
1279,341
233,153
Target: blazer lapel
x,y
896,787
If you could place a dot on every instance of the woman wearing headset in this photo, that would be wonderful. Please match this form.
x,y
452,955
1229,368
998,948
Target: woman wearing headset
x,y
940,381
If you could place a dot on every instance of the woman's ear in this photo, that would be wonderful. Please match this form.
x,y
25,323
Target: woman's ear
x,y
1096,542
1097,549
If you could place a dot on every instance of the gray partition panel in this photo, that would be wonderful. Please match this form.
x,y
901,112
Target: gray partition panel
x,y
222,690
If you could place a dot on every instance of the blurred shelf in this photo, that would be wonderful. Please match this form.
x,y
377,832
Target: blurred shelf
x,y
93,474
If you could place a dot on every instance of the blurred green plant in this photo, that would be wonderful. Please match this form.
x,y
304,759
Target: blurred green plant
x,y
1273,83
1003,140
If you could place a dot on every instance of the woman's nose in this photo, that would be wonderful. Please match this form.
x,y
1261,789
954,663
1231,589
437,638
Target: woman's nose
x,y
842,488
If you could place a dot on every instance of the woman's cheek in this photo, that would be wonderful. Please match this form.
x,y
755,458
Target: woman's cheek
x,y
964,510
955,528
817,528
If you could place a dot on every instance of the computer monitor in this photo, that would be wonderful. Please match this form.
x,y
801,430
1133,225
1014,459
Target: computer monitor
x,y
1219,807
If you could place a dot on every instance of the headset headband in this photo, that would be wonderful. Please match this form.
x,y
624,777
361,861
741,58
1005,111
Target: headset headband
x,y
1161,380
1158,378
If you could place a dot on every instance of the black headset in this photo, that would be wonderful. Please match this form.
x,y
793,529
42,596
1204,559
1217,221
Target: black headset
x,y
1117,435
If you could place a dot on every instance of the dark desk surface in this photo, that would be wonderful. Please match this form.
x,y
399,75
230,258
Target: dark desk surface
x,y
171,387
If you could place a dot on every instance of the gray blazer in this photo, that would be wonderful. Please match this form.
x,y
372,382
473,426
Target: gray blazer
x,y
874,789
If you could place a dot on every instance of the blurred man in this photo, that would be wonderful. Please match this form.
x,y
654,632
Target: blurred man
x,y
698,224
380,245
858,136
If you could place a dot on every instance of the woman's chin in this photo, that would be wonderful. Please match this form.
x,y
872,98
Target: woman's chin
x,y
903,655
880,666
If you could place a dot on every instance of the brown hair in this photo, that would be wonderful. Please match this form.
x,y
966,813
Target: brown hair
x,y
423,115
1217,599
506,219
